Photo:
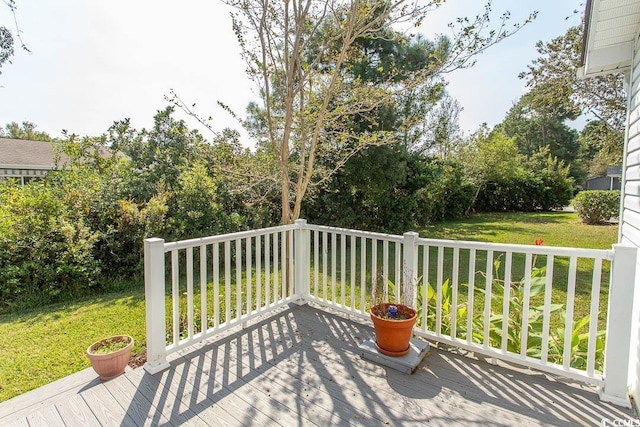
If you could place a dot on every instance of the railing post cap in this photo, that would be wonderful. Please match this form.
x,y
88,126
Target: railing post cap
x,y
154,240
624,247
300,221
411,234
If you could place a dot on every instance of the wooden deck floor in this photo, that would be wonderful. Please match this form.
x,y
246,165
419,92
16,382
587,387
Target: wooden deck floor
x,y
301,367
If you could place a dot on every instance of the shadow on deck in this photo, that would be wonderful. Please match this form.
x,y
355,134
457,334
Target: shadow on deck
x,y
301,367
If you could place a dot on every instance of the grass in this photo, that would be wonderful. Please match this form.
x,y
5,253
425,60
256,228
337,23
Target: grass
x,y
42,345
556,228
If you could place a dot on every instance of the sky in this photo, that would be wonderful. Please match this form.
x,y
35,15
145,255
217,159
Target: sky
x,y
95,62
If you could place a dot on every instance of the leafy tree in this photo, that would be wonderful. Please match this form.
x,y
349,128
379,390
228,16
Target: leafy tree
x,y
46,249
25,131
247,181
369,192
554,78
99,188
601,147
392,57
534,128
308,91
7,38
506,180
391,189
196,210
202,182
443,128
159,154
489,157
6,45
556,182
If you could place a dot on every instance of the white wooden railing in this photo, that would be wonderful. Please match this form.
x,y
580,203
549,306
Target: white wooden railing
x,y
236,277
458,288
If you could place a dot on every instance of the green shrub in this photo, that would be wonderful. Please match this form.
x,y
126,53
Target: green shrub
x,y
597,206
392,190
521,184
195,208
46,254
526,191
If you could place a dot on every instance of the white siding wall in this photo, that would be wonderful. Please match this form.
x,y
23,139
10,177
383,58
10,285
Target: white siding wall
x,y
630,206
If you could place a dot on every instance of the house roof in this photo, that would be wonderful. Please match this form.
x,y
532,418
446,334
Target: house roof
x,y
610,29
27,154
615,171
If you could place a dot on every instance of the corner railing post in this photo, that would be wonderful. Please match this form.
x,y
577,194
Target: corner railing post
x,y
617,356
155,305
410,268
301,260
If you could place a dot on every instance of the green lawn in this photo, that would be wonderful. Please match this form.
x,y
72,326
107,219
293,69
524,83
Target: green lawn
x,y
40,346
64,331
556,228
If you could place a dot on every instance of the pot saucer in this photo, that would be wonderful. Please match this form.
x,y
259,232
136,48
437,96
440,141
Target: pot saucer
x,y
393,353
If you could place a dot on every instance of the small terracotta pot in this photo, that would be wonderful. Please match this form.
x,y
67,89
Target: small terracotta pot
x,y
393,336
110,365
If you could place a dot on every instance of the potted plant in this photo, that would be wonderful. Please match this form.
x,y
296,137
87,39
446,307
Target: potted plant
x,y
392,322
109,356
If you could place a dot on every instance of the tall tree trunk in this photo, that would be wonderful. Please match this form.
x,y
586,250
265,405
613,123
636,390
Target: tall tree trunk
x,y
286,207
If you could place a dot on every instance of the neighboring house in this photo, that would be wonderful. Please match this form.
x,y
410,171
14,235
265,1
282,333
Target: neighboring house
x,y
609,182
611,45
25,159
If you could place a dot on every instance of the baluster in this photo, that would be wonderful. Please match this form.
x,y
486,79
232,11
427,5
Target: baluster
x,y
524,334
189,265
258,272
352,247
175,294
343,269
440,270
470,297
568,325
487,298
593,320
454,292
505,302
333,267
249,286
216,284
204,321
546,319
238,278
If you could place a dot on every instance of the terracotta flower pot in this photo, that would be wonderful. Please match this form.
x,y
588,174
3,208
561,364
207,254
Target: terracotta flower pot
x,y
393,336
110,365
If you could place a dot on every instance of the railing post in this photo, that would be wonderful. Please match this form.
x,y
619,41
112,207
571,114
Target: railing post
x,y
410,268
154,305
301,260
617,356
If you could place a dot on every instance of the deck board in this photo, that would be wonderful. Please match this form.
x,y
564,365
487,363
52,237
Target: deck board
x,y
194,409
45,395
21,422
105,407
75,411
137,406
301,366
46,417
146,387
